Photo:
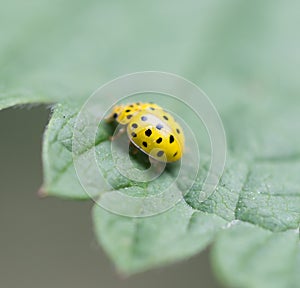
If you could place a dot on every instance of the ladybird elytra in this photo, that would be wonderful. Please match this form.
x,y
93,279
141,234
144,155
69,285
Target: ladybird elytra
x,y
151,129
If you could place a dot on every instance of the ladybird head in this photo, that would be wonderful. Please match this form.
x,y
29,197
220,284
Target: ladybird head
x,y
123,113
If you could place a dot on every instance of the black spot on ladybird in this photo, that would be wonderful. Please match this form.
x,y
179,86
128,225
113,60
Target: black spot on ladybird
x,y
145,144
175,154
133,134
160,153
144,118
128,110
165,117
159,126
152,108
178,131
148,132
129,116
171,139
131,106
159,140
115,115
134,125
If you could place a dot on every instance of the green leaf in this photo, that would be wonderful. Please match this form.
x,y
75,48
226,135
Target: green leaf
x,y
248,256
60,177
244,54
20,97
270,197
139,244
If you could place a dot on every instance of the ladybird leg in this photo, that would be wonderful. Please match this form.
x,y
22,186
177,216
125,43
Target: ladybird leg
x,y
134,150
110,118
116,136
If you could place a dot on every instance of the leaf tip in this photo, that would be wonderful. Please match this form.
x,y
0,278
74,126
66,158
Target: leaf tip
x,y
42,193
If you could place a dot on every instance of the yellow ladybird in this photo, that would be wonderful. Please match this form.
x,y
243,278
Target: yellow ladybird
x,y
151,129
